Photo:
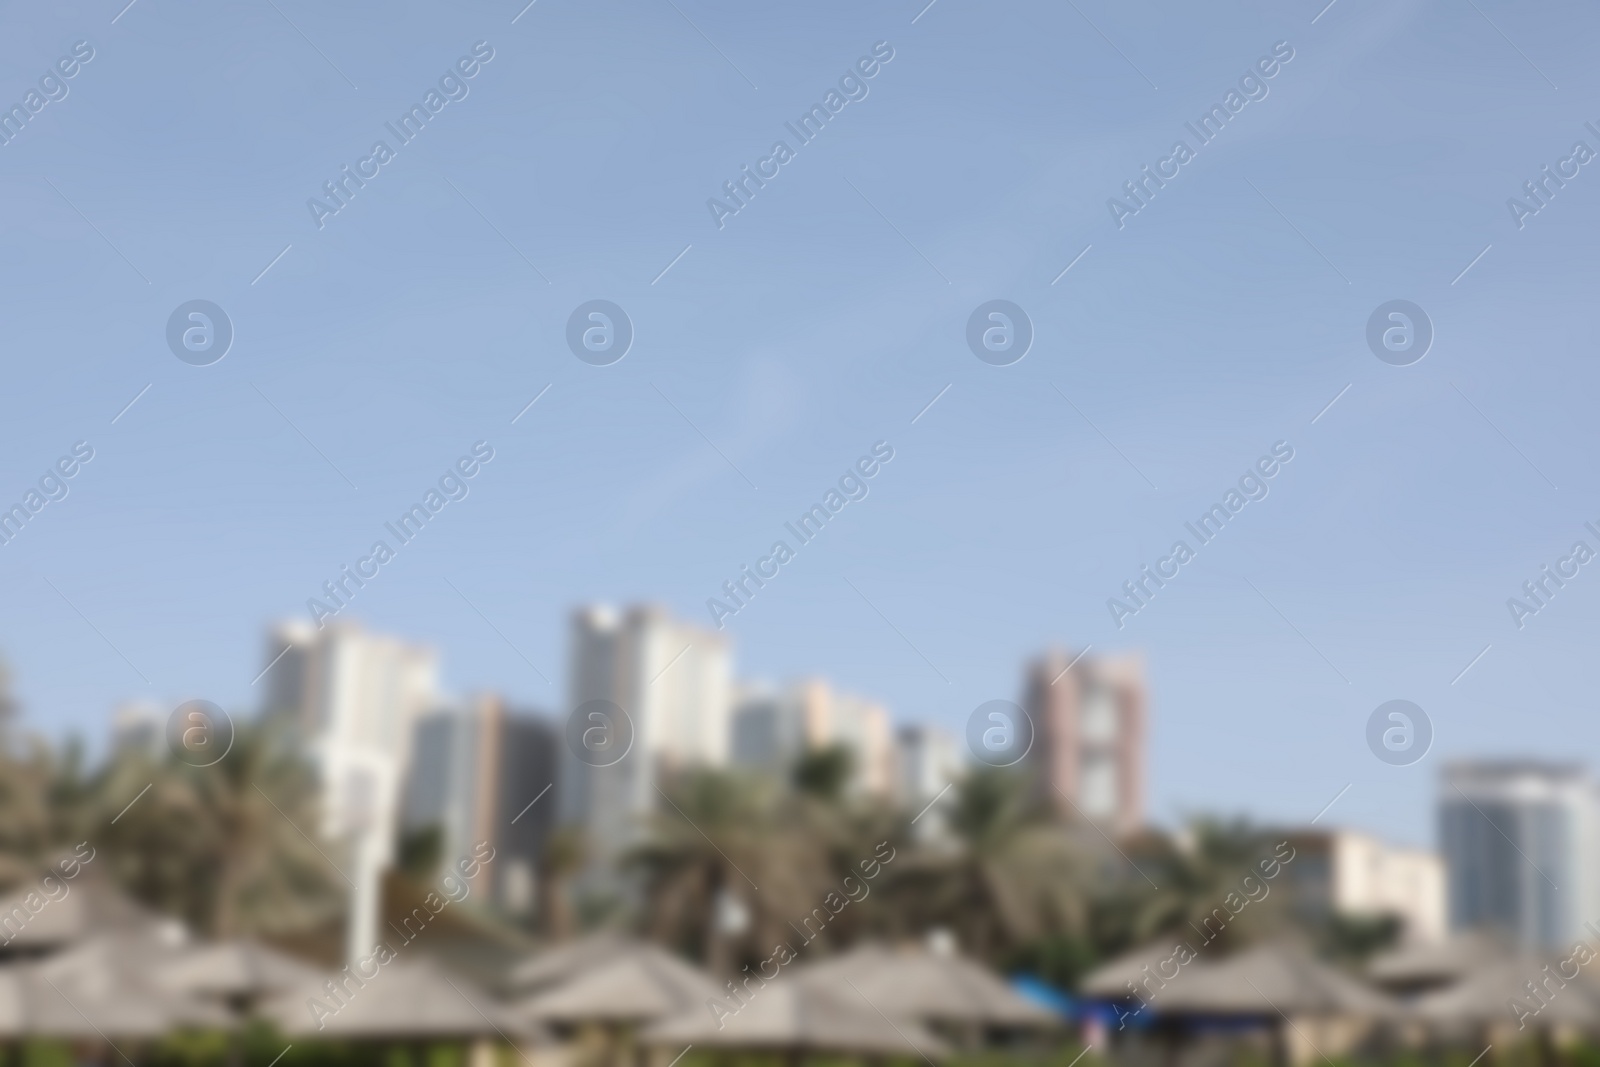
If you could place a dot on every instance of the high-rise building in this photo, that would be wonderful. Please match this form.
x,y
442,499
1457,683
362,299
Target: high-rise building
x,y
673,681
1512,832
1087,758
928,762
772,728
484,774
862,726
137,726
353,699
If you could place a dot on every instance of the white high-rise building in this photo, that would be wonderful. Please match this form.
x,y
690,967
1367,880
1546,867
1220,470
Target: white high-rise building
x,y
673,681
929,761
769,728
1511,833
354,698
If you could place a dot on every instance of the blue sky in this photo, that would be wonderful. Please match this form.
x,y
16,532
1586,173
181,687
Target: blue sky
x,y
821,319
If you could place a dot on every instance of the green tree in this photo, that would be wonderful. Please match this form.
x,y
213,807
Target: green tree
x,y
824,773
1199,869
564,856
716,838
1012,877
227,847
43,796
28,830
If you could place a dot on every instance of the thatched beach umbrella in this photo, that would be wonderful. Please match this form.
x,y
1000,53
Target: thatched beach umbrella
x,y
239,972
408,1000
1431,965
1500,994
1271,980
91,906
1523,996
560,963
601,990
31,1006
1279,985
938,988
1110,980
637,983
94,991
797,1018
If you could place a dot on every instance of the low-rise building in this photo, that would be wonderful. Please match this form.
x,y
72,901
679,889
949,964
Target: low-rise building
x,y
1356,875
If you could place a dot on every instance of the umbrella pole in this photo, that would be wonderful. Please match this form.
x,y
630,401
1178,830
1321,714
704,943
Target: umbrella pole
x,y
1171,1037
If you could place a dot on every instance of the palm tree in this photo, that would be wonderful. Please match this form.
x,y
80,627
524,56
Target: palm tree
x,y
565,854
228,846
723,872
27,830
824,773
1012,877
1199,870
846,830
41,797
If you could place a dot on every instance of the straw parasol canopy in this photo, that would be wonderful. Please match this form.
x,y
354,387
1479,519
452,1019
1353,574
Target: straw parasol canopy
x,y
97,989
31,1006
241,971
1493,994
638,983
795,1016
92,905
1270,980
934,987
1109,981
408,999
564,962
1430,965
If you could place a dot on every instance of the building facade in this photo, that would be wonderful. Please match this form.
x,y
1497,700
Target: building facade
x,y
772,727
1353,874
353,699
927,762
1088,753
1511,833
482,773
673,681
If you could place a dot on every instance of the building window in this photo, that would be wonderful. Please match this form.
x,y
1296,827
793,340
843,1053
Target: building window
x,y
1099,724
1098,793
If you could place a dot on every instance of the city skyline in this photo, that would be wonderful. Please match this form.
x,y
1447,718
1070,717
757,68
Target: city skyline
x,y
1170,349
1125,673
476,767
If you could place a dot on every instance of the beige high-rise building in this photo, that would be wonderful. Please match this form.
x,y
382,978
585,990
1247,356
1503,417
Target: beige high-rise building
x,y
772,728
1088,752
863,726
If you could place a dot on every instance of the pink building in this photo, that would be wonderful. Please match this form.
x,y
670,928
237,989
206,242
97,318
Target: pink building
x,y
1089,732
